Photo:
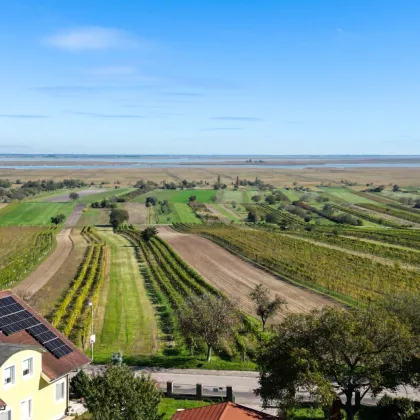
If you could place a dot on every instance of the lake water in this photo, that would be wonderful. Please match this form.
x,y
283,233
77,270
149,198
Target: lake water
x,y
75,162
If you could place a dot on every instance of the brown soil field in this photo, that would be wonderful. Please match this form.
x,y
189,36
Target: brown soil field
x,y
235,277
138,213
277,176
46,298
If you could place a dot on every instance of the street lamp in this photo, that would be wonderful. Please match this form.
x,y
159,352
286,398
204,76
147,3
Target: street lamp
x,y
92,336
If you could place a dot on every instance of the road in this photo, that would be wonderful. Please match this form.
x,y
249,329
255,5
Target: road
x,y
243,382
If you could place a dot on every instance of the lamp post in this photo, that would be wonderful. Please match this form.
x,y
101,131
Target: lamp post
x,y
92,336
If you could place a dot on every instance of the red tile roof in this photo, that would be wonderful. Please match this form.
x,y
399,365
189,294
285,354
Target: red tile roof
x,y
52,367
223,411
2,403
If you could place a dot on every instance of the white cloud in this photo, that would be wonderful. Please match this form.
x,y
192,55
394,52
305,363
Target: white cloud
x,y
92,38
113,71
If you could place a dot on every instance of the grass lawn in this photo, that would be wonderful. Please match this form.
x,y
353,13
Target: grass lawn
x,y
168,406
33,214
181,213
292,195
106,194
129,322
177,196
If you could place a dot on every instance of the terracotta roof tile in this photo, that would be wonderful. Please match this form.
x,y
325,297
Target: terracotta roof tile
x,y
2,403
52,367
223,411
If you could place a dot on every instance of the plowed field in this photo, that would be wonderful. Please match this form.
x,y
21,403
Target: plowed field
x,y
236,277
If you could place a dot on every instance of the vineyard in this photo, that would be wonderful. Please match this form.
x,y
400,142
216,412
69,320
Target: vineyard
x,y
170,280
21,250
352,278
72,316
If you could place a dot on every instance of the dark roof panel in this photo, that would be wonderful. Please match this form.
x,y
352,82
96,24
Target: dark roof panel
x,y
70,357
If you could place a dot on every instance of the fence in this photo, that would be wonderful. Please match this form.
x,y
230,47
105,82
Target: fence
x,y
200,392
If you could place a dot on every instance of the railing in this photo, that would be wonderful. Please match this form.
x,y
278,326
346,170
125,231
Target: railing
x,y
200,392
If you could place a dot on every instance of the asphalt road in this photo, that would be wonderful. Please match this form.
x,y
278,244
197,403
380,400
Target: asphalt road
x,y
244,383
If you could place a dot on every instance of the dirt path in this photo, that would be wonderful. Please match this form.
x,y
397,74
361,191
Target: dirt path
x,y
47,269
75,216
236,277
3,205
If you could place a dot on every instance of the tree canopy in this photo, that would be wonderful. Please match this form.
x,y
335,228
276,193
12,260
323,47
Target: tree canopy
x,y
208,318
360,350
74,196
58,219
118,394
118,217
264,306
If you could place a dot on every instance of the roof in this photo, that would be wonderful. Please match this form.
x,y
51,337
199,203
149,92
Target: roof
x,y
2,403
52,367
9,349
223,411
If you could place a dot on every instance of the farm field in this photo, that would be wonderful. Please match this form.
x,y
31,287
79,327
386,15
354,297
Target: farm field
x,y
91,198
21,250
346,195
235,277
65,197
240,196
352,278
138,213
46,298
33,214
177,196
93,217
129,322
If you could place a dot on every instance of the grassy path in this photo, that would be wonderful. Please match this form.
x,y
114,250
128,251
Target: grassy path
x,y
129,323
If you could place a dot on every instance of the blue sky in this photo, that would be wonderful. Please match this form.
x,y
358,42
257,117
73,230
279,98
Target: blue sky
x,y
240,77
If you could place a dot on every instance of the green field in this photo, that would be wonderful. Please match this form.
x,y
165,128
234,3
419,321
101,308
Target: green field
x,y
226,213
57,193
129,322
181,213
34,214
169,406
178,196
292,195
106,194
241,196
346,195
94,217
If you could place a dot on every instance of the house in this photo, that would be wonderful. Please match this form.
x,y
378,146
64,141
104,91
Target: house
x,y
35,361
222,411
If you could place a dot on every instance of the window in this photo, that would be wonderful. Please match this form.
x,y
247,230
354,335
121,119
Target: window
x,y
27,368
26,409
6,415
60,391
9,376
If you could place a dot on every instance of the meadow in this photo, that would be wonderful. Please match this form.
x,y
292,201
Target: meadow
x,y
178,196
33,214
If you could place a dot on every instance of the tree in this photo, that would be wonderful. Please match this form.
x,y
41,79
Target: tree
x,y
270,199
359,350
256,198
80,384
58,219
272,217
209,318
253,216
264,306
149,233
396,188
118,394
118,217
192,199
214,198
74,196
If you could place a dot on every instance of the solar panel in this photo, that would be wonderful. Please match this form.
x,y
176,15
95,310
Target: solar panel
x,y
14,318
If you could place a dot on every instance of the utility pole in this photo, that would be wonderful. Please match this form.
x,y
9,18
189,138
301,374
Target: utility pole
x,y
92,336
